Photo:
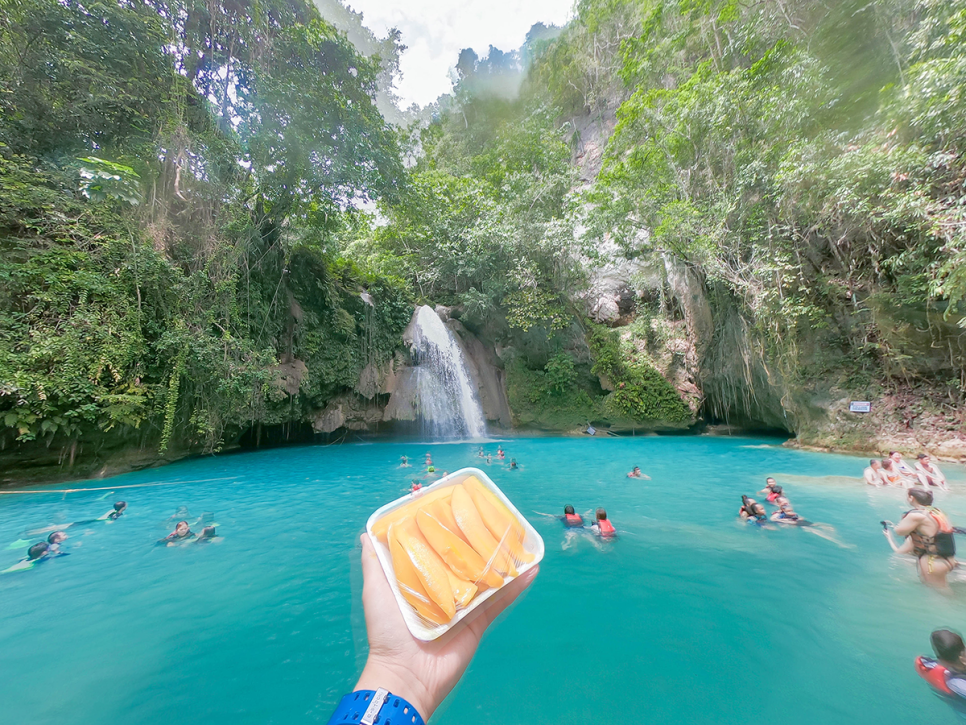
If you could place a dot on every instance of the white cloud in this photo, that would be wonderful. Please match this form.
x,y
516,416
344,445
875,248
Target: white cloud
x,y
436,30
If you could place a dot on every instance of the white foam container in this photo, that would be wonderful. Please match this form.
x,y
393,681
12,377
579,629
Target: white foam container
x,y
421,630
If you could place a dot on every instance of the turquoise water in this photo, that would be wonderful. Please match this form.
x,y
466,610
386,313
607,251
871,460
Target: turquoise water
x,y
690,617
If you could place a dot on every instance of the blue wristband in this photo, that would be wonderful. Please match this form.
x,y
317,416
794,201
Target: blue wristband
x,y
375,708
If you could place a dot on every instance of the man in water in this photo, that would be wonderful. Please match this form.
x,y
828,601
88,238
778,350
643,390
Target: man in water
x,y
873,474
404,462
929,473
929,537
891,476
182,533
636,473
903,469
771,490
947,673
207,536
113,515
513,465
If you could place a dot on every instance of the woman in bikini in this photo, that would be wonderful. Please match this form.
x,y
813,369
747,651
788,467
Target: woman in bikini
x,y
929,537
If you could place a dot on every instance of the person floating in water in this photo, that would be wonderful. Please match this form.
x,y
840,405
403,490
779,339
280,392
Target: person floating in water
x,y
182,533
113,515
513,465
873,474
500,454
403,462
35,554
481,453
207,536
786,514
947,673
54,541
909,475
929,473
602,525
571,519
929,538
751,510
771,490
636,473
416,488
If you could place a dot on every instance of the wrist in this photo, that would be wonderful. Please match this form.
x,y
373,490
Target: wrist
x,y
400,682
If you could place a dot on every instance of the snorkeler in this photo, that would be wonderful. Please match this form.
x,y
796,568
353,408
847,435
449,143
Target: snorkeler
x,y
771,489
602,526
947,673
182,532
571,519
929,537
751,510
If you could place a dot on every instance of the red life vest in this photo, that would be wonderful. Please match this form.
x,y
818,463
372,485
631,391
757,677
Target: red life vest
x,y
933,673
574,520
606,527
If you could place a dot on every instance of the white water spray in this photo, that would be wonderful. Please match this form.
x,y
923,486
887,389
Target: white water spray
x,y
445,396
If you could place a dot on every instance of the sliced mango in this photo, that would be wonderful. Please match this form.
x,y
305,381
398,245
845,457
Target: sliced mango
x,y
480,538
460,556
463,591
443,512
409,584
381,528
430,569
499,520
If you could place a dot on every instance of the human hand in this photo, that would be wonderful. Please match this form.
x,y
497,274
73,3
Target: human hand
x,y
423,673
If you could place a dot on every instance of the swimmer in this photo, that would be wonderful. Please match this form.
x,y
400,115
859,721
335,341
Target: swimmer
x,y
771,490
929,473
416,488
751,510
636,473
182,533
481,453
513,465
571,519
489,459
602,526
403,462
54,541
35,554
903,468
499,453
890,475
786,514
873,474
929,538
207,536
113,515
947,673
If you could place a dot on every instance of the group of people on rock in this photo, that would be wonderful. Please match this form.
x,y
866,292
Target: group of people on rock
x,y
894,471
51,547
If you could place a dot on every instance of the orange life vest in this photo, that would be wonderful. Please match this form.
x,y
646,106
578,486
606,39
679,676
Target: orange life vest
x,y
933,673
574,520
606,527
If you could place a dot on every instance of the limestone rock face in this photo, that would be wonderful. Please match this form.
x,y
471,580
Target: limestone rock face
x,y
348,411
605,310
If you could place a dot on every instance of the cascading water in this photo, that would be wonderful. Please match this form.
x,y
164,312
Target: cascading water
x,y
445,396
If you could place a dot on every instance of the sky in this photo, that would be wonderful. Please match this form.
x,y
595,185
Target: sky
x,y
435,31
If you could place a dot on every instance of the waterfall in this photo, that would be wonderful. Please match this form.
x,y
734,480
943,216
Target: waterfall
x,y
445,396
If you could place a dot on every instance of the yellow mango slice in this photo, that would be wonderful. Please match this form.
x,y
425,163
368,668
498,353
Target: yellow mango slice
x,y
500,521
443,512
459,555
409,584
463,590
430,569
380,529
480,538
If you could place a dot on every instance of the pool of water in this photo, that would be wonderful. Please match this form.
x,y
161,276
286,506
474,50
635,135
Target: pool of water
x,y
689,617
